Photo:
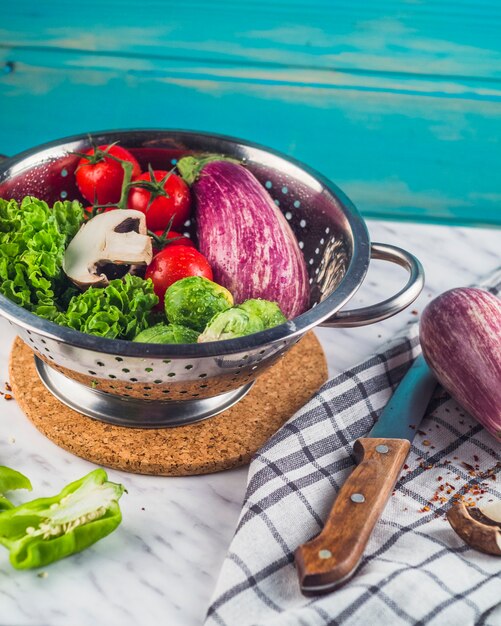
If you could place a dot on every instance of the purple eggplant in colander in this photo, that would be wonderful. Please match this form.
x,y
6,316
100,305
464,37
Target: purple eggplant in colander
x,y
246,239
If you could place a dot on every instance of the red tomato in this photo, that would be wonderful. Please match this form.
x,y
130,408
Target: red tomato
x,y
181,240
161,197
100,178
174,263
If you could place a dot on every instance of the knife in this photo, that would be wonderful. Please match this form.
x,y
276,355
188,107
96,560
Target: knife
x,y
333,556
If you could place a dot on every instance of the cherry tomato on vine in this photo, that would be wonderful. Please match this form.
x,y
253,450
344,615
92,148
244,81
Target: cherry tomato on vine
x,y
90,211
171,238
99,177
162,196
174,263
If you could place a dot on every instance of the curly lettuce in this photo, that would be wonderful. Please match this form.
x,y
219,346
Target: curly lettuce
x,y
33,238
119,311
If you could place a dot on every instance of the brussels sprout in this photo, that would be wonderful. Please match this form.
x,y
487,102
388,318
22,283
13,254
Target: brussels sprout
x,y
269,312
234,322
193,301
167,333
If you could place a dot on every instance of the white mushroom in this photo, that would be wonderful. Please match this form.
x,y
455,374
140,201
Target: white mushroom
x,y
480,527
492,511
108,246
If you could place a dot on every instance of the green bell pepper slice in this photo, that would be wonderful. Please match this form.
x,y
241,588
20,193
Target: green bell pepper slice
x,y
48,529
11,479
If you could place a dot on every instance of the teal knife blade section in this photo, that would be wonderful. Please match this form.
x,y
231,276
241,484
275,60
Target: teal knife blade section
x,y
402,415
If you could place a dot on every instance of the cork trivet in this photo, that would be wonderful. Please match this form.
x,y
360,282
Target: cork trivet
x,y
220,442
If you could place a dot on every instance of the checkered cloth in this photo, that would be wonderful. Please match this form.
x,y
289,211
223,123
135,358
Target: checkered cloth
x,y
415,570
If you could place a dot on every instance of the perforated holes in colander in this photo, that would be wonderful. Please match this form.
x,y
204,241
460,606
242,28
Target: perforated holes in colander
x,y
311,235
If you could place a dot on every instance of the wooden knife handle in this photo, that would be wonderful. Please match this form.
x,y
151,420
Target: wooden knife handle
x,y
328,560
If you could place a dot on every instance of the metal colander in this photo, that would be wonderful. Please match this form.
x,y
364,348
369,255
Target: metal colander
x,y
155,385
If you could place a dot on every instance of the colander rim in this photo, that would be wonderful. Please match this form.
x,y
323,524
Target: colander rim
x,y
350,282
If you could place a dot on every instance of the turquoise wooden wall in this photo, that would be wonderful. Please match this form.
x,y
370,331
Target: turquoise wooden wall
x,y
398,102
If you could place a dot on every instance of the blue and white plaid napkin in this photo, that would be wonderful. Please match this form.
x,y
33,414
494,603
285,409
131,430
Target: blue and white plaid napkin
x,y
415,570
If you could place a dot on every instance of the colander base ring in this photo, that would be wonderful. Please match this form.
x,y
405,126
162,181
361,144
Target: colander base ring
x,y
132,412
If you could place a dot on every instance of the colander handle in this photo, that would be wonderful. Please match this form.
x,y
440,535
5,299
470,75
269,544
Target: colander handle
x,y
395,304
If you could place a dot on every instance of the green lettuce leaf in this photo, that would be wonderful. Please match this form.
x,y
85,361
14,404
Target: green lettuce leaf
x,y
119,311
33,237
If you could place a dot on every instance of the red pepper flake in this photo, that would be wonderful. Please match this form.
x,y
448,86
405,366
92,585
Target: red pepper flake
x,y
425,509
467,466
421,432
475,458
406,467
7,396
455,458
426,442
433,447
414,312
439,478
8,387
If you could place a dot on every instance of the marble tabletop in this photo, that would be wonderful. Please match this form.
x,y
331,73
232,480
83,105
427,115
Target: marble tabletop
x,y
161,564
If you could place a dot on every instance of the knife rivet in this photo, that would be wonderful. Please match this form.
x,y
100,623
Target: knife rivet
x,y
358,498
382,449
325,554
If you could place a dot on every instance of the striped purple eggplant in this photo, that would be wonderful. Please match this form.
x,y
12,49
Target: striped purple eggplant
x,y
460,334
246,239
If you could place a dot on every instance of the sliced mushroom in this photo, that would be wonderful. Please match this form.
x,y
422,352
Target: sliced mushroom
x,y
108,246
480,527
